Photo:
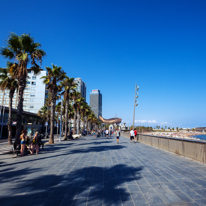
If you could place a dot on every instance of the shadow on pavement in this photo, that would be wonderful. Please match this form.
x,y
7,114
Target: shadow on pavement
x,y
105,185
97,149
63,149
10,174
97,143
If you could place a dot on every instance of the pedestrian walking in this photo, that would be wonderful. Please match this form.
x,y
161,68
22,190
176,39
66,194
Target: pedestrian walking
x,y
94,133
131,135
107,133
110,133
135,135
117,135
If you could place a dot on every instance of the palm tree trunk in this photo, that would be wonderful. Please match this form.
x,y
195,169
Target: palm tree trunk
x,y
66,119
53,103
62,129
75,119
83,124
16,100
11,94
21,87
2,101
86,123
88,126
79,122
69,125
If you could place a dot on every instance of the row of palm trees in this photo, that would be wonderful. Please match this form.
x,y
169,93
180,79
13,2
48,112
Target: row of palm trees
x,y
22,52
58,84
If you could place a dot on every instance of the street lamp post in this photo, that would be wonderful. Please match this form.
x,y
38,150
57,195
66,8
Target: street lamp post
x,y
135,101
2,119
60,123
47,119
2,106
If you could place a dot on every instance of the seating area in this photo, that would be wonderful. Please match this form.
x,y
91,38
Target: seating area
x,y
76,136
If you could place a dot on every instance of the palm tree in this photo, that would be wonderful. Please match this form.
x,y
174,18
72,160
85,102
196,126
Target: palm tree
x,y
58,110
67,84
92,119
84,109
22,50
70,114
63,117
80,106
52,80
88,112
89,117
76,98
8,82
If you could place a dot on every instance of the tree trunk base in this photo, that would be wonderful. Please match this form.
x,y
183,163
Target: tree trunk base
x,y
51,142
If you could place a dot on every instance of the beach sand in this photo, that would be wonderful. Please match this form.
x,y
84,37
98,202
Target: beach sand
x,y
181,135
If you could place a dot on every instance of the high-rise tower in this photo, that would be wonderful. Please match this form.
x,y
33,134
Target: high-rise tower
x,y
96,102
81,87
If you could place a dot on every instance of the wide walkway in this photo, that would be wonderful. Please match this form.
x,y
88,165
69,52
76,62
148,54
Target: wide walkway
x,y
91,171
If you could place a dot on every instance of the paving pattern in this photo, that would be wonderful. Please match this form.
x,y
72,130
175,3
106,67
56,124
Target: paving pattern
x,y
97,171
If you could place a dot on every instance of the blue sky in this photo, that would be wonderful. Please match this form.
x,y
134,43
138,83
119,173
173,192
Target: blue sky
x,y
112,44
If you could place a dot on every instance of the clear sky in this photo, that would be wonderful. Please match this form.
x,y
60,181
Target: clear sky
x,y
111,44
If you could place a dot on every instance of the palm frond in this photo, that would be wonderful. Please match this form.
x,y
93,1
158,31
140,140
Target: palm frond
x,y
14,43
7,53
27,42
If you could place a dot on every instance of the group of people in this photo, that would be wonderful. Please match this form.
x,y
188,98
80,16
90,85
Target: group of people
x,y
133,135
98,133
28,143
107,133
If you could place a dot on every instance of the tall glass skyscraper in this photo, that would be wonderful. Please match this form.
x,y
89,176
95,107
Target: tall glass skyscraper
x,y
96,102
81,87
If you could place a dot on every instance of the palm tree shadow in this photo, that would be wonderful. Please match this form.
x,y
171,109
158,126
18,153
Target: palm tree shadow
x,y
97,143
10,174
97,149
105,185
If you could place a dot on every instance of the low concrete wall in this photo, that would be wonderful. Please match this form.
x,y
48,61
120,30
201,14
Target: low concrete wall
x,y
193,149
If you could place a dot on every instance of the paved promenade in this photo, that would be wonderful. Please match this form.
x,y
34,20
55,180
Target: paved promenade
x,y
91,171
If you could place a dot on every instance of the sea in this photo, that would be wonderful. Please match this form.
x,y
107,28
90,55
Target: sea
x,y
201,137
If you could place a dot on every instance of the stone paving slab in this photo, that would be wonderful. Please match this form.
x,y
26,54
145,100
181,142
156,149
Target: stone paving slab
x,y
97,171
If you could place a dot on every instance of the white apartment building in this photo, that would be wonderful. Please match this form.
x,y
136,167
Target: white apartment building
x,y
34,93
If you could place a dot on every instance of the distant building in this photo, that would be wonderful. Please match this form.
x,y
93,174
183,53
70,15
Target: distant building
x,y
31,122
200,129
96,102
34,93
81,87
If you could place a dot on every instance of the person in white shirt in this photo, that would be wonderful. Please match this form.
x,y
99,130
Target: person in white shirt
x,y
117,134
107,133
131,135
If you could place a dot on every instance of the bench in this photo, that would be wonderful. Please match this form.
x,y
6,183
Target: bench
x,y
76,136
16,148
